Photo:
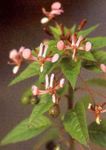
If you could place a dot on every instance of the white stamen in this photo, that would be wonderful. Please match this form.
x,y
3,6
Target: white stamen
x,y
15,69
79,41
89,106
40,50
98,120
45,51
62,82
46,82
41,68
51,80
54,98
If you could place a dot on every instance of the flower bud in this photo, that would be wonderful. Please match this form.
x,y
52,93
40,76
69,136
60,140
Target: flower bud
x,y
54,111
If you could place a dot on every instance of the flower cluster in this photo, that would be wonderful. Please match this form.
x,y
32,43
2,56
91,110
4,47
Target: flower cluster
x,y
55,11
75,43
51,87
97,110
18,57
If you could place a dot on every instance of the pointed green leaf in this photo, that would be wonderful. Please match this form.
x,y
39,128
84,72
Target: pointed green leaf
x,y
75,124
30,71
86,55
98,133
42,107
86,32
100,56
98,42
55,31
73,29
23,132
71,70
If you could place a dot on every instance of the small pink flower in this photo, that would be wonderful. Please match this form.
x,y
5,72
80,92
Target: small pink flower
x,y
50,87
103,67
98,110
16,57
55,10
75,44
42,58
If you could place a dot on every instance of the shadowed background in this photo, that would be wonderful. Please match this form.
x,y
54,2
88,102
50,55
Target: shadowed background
x,y
20,25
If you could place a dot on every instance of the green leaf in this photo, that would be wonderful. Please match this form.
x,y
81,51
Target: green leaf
x,y
100,56
86,32
30,71
73,29
42,107
85,100
23,132
86,55
98,42
75,124
97,82
71,70
97,133
55,31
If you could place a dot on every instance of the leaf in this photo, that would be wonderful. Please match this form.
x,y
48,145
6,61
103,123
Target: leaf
x,y
100,56
98,42
97,82
85,100
86,32
73,29
55,31
71,70
97,133
41,108
86,55
30,71
23,132
75,124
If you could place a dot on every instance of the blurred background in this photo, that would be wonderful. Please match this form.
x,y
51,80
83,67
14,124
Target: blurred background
x,y
20,26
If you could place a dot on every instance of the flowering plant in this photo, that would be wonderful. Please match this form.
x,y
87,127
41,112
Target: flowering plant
x,y
59,64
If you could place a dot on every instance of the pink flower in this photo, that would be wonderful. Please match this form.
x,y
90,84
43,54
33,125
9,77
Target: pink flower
x,y
55,10
103,67
98,110
50,87
16,57
75,44
42,58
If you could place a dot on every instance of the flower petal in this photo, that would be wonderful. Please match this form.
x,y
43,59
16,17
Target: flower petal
x,y
103,67
56,5
88,46
55,58
60,45
26,53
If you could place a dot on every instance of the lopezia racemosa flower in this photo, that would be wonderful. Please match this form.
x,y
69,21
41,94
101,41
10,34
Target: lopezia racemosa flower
x,y
97,110
51,87
16,58
75,44
55,11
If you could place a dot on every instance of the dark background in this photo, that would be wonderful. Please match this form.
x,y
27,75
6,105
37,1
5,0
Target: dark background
x,y
20,25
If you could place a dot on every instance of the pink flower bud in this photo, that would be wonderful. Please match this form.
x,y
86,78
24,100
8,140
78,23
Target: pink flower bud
x,y
55,58
56,5
88,46
103,67
26,53
60,45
